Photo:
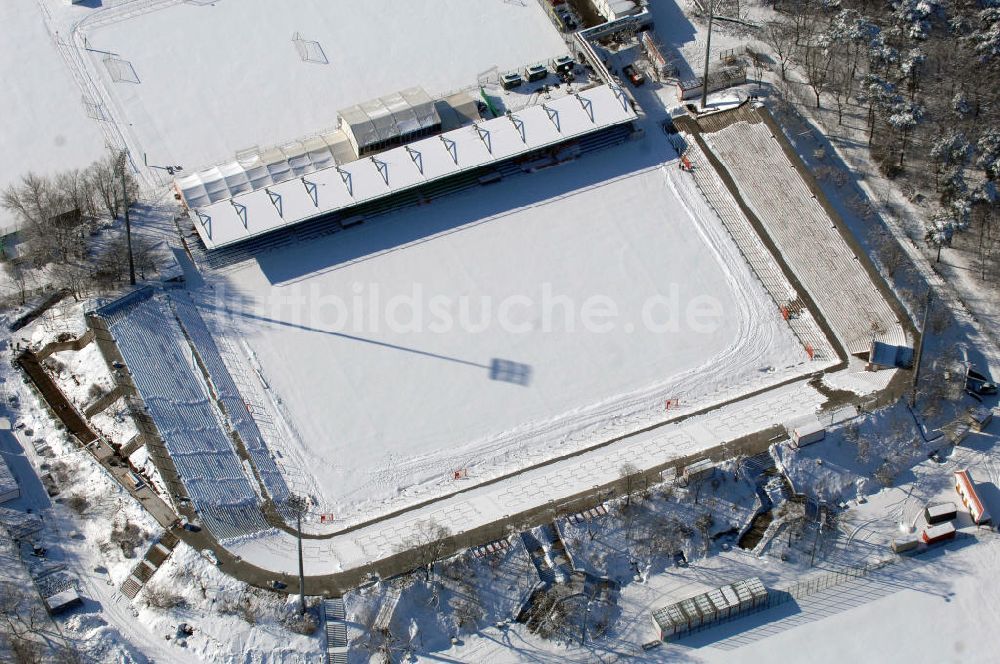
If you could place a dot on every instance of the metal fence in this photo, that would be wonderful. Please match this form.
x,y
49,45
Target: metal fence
x,y
823,582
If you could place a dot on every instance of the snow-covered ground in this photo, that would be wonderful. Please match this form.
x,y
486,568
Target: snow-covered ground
x,y
46,127
386,361
198,81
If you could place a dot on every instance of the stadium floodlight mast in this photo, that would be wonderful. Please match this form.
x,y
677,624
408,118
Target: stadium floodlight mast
x,y
128,225
298,504
708,51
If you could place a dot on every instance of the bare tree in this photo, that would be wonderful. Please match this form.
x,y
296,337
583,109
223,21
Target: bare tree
x,y
20,278
75,191
816,64
429,543
780,39
105,179
630,474
888,251
704,524
885,474
143,254
31,200
23,623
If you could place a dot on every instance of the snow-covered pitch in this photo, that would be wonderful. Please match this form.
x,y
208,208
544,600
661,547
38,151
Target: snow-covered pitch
x,y
199,81
384,400
46,126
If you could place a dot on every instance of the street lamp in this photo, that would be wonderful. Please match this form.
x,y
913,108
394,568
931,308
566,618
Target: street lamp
x,y
128,225
708,51
298,504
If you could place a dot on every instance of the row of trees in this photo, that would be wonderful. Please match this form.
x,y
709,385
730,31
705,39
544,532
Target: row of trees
x,y
925,77
60,216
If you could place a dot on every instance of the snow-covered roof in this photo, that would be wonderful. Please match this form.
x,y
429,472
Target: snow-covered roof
x,y
940,510
388,118
708,606
222,222
20,525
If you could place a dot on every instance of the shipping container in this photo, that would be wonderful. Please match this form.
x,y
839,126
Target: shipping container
x,y
723,608
940,512
690,610
939,533
706,608
807,433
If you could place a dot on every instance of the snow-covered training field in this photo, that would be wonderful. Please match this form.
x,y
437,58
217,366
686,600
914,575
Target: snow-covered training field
x,y
434,340
198,81
46,127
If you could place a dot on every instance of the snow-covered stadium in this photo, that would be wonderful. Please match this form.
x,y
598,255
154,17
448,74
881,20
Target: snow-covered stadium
x,y
417,290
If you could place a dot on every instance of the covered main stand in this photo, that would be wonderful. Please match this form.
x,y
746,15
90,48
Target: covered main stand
x,y
279,197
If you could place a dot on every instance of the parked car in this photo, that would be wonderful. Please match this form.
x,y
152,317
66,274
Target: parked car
x,y
278,585
635,76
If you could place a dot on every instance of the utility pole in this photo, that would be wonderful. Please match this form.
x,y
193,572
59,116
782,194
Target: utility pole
x,y
128,225
708,52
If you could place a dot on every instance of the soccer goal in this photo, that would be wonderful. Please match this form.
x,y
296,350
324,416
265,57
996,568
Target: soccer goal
x,y
120,70
309,50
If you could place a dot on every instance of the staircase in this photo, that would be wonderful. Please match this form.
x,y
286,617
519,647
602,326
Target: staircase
x,y
534,547
335,626
146,568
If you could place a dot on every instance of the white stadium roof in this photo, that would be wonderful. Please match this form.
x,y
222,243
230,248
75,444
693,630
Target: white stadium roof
x,y
390,117
287,198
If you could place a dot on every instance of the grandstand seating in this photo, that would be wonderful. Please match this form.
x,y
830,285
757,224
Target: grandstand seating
x,y
227,392
756,254
800,226
160,364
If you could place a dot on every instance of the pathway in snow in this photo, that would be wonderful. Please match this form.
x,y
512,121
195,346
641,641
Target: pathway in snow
x,y
539,489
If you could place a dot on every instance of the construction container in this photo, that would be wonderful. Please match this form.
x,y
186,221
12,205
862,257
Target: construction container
x,y
757,590
905,544
706,608
939,533
807,433
940,513
690,610
723,607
